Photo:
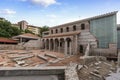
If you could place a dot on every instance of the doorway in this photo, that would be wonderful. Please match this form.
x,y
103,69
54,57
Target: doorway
x,y
81,48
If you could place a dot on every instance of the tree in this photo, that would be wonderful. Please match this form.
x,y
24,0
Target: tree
x,y
28,31
7,30
43,29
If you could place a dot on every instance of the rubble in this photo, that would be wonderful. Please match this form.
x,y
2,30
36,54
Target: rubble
x,y
97,69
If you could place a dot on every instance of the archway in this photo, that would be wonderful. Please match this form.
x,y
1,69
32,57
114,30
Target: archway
x,y
68,46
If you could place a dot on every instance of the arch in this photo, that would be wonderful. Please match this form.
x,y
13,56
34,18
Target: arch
x,y
47,43
52,44
82,26
56,30
51,31
74,28
67,29
61,30
69,46
61,45
56,44
43,44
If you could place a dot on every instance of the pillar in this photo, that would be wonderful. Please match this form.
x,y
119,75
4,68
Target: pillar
x,y
65,48
59,47
76,47
70,52
54,45
20,39
45,45
49,45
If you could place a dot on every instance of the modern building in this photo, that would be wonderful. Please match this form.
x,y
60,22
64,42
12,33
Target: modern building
x,y
23,24
34,29
73,38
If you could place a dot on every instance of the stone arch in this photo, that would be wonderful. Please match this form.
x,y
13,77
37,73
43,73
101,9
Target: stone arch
x,y
56,30
47,43
56,44
51,44
61,30
69,45
43,43
82,26
67,29
61,45
74,27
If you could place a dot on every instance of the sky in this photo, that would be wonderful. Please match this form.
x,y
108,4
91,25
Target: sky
x,y
55,12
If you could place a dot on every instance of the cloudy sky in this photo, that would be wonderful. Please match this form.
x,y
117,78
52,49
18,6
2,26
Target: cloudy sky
x,y
55,12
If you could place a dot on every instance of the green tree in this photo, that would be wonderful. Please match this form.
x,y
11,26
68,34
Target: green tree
x,y
28,31
43,29
7,30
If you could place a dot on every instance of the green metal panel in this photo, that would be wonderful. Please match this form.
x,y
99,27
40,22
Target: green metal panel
x,y
118,38
105,30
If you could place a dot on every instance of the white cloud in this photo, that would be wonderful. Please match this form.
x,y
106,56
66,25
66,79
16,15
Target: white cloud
x,y
7,11
52,16
44,3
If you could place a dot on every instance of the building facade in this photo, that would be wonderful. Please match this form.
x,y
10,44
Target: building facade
x,y
72,38
34,29
23,25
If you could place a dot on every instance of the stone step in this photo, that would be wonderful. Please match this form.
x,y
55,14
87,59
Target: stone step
x,y
51,55
43,57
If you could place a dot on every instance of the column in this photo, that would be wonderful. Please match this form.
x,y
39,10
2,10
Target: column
x,y
70,48
59,47
54,45
20,39
76,47
49,45
65,48
45,45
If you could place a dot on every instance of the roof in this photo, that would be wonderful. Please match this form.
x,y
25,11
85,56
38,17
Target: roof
x,y
27,35
2,39
62,34
91,18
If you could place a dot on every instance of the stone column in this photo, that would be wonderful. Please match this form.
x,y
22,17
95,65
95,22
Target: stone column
x,y
70,52
49,45
65,48
54,45
59,47
20,39
45,45
76,48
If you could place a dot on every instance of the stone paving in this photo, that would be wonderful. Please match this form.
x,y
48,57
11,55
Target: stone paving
x,y
28,58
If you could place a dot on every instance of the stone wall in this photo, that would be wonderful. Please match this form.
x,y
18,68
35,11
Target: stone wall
x,y
58,71
84,38
70,26
11,47
32,44
111,51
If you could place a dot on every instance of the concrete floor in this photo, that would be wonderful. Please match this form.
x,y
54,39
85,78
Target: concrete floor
x,y
49,77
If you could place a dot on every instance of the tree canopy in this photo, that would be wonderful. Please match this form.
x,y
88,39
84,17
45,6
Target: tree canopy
x,y
7,30
43,29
